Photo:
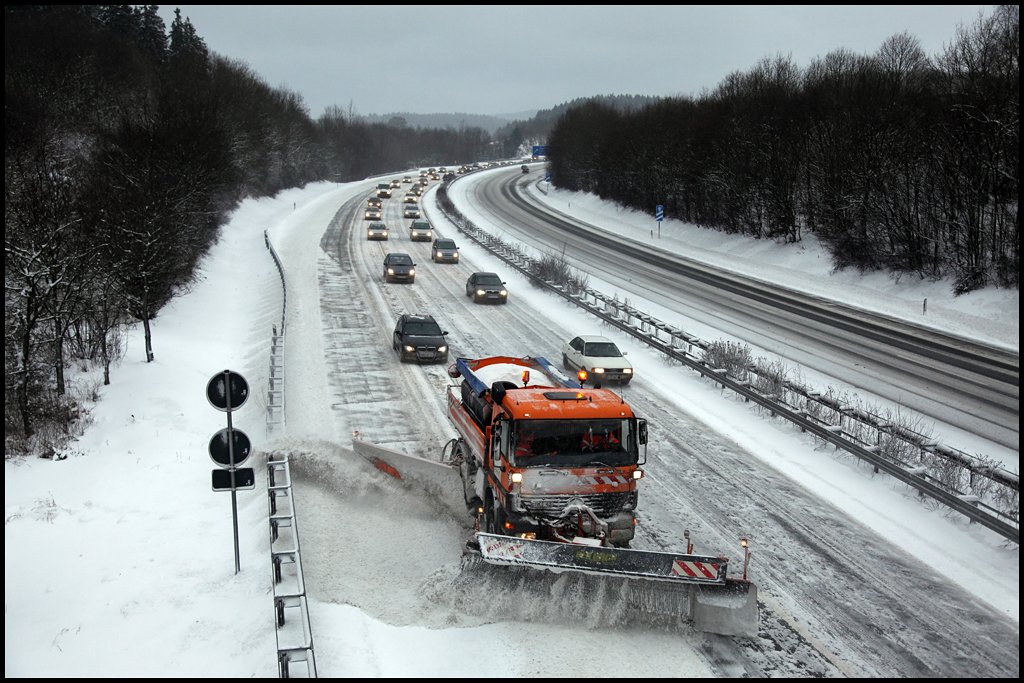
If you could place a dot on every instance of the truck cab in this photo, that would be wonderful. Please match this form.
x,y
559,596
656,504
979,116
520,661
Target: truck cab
x,y
546,458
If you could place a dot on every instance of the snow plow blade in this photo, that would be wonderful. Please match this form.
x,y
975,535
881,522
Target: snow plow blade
x,y
439,480
690,588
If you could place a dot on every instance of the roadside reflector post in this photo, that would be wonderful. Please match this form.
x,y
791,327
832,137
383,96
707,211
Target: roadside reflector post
x,y
689,543
745,544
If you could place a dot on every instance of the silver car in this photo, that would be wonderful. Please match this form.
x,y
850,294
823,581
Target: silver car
x,y
377,231
444,250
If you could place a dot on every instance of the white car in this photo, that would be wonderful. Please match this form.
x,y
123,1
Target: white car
x,y
600,357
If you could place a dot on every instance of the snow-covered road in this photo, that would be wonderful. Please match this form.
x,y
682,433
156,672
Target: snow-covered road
x,y
838,598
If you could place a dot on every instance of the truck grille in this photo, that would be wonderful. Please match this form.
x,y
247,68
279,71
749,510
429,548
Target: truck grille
x,y
603,504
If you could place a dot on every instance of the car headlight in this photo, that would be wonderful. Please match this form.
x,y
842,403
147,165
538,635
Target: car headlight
x,y
439,254
391,271
429,233
504,293
412,271
442,349
369,233
480,292
455,255
597,371
627,371
409,349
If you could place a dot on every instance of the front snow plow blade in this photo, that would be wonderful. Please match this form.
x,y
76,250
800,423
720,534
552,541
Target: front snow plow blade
x,y
693,588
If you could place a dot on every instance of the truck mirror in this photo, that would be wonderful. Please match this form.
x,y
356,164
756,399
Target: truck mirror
x,y
641,431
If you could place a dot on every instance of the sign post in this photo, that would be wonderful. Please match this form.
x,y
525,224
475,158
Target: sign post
x,y
230,447
659,215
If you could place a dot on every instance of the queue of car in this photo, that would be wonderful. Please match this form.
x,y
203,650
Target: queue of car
x,y
419,338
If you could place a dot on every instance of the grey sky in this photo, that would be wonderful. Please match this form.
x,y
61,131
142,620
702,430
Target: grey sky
x,y
507,59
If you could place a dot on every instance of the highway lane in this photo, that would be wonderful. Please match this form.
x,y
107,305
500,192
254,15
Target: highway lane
x,y
824,610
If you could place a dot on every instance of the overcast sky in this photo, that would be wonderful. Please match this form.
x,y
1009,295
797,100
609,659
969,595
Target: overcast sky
x,y
380,59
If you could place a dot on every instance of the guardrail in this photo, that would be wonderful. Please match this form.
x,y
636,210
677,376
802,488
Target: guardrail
x,y
275,384
958,480
294,638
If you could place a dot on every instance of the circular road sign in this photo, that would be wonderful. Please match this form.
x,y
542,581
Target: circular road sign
x,y
219,447
227,390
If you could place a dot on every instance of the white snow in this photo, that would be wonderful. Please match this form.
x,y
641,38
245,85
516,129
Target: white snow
x,y
119,557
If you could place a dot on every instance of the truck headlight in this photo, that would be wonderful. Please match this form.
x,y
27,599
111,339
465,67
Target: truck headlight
x,y
599,371
627,371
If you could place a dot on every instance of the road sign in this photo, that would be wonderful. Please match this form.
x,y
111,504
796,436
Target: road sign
x,y
245,478
217,391
239,442
540,150
659,213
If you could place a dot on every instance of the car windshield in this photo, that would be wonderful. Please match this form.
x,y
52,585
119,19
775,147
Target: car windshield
x,y
400,260
575,443
602,350
446,244
423,328
420,225
488,280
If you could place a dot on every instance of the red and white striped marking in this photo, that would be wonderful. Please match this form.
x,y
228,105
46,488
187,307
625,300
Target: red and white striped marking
x,y
695,570
610,480
502,548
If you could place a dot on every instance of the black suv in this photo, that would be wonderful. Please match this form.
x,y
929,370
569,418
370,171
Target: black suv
x,y
419,338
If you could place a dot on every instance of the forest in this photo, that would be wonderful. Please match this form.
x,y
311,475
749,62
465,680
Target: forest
x,y
895,161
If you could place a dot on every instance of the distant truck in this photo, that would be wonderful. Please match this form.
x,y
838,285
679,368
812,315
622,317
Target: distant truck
x,y
526,169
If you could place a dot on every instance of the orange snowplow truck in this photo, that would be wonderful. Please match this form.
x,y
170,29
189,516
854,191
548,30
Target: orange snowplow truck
x,y
549,468
543,458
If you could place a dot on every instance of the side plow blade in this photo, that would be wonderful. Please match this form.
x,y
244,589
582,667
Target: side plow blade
x,y
685,587
439,480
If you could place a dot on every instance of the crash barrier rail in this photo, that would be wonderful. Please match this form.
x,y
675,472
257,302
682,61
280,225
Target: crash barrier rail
x,y
294,636
275,385
964,483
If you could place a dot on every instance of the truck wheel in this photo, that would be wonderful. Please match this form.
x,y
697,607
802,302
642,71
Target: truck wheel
x,y
494,516
489,515
467,470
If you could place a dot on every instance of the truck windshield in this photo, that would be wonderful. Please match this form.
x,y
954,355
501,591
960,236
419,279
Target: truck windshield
x,y
574,443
